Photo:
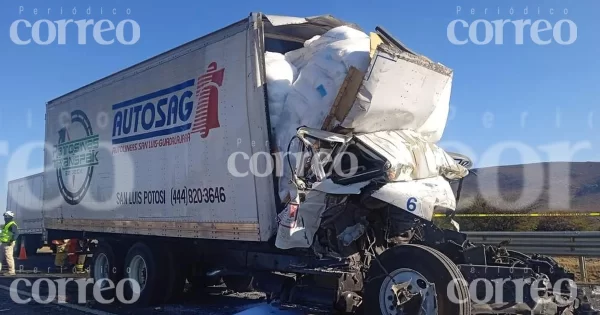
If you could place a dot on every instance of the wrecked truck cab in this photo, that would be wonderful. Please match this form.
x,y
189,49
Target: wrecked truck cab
x,y
386,161
366,190
372,217
353,201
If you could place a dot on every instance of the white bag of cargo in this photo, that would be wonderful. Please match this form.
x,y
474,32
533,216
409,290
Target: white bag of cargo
x,y
300,57
280,75
322,65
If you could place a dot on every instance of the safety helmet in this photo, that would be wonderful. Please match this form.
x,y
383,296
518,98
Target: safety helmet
x,y
9,214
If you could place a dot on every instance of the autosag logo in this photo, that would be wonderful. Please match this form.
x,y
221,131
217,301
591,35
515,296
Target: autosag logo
x,y
500,25
75,156
58,25
168,116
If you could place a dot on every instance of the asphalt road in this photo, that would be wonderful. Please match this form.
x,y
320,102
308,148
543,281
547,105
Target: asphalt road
x,y
216,301
8,306
210,303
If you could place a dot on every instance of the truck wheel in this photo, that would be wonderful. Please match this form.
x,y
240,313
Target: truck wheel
x,y
239,283
105,267
145,274
413,268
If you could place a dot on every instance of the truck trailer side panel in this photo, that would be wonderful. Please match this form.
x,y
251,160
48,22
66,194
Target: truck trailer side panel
x,y
24,198
147,150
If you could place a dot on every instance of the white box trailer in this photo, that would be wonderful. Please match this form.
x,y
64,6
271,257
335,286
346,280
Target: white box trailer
x,y
145,165
144,151
24,197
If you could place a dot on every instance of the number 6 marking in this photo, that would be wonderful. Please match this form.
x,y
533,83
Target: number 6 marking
x,y
411,204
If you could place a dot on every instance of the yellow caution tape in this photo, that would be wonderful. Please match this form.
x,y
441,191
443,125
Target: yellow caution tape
x,y
565,214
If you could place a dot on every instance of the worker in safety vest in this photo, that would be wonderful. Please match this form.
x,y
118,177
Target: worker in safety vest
x,y
8,236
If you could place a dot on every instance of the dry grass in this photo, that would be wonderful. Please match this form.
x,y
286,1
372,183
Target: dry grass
x,y
592,267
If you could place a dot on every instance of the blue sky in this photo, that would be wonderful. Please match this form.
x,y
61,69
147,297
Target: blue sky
x,y
527,95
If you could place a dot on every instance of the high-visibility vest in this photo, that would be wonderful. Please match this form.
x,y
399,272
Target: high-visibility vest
x,y
7,233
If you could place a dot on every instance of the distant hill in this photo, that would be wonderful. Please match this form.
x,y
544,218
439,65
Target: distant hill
x,y
552,186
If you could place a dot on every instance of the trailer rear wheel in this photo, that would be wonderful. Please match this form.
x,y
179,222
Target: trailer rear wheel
x,y
414,268
144,269
105,267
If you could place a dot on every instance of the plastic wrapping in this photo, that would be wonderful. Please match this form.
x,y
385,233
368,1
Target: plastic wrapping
x,y
400,92
280,76
322,66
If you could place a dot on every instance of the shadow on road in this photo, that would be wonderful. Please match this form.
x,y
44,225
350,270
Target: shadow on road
x,y
37,271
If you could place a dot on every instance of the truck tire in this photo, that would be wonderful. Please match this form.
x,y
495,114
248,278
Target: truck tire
x,y
106,264
145,271
420,265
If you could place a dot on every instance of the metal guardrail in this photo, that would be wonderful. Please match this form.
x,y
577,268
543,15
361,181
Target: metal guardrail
x,y
546,243
580,244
